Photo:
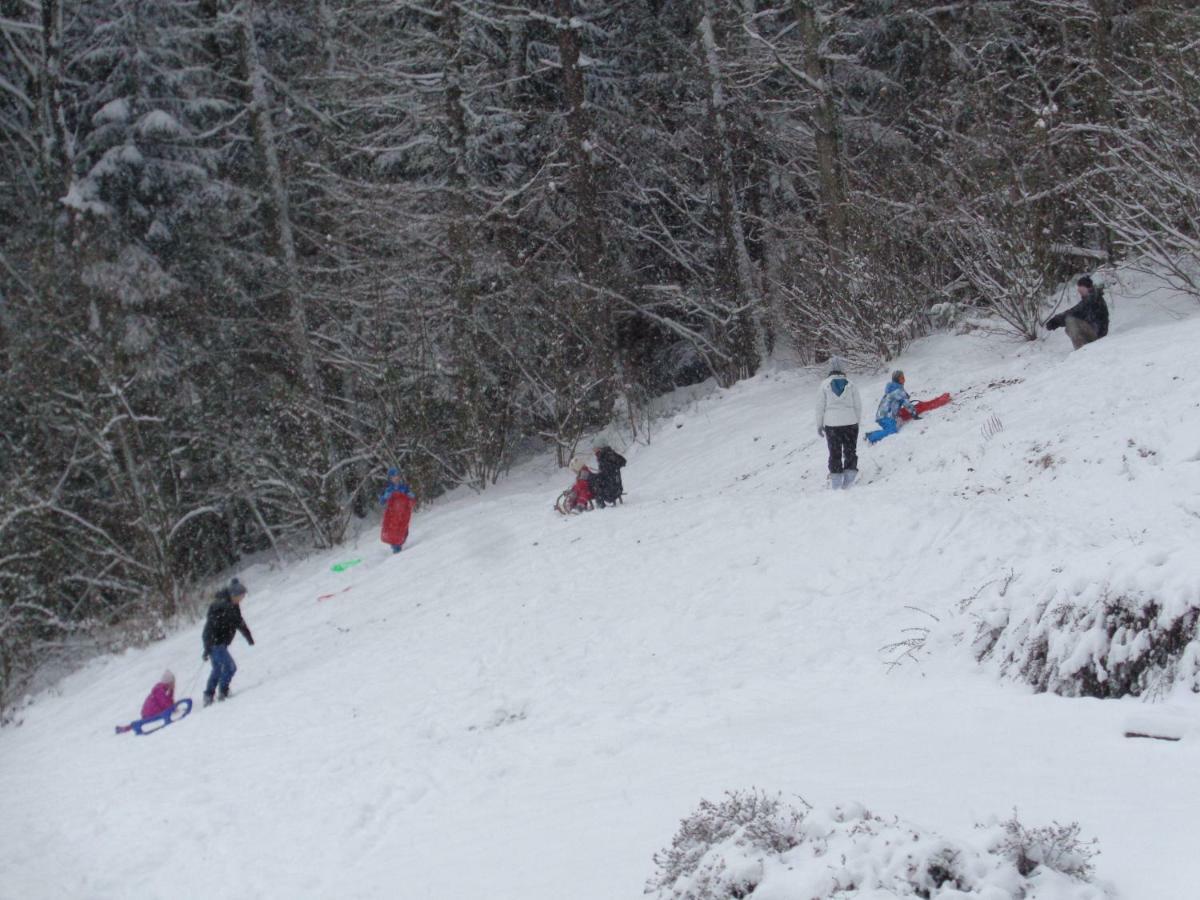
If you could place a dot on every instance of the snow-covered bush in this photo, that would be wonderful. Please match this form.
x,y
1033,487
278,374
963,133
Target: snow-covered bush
x,y
754,845
750,823
856,307
1122,644
1003,264
1056,847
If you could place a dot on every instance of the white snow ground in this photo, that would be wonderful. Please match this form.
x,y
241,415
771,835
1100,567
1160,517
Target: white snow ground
x,y
522,707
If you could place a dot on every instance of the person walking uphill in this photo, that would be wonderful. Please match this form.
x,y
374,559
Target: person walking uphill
x,y
1087,320
397,500
839,410
223,622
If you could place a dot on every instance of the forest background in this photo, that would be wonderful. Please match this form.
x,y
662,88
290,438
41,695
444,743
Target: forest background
x,y
254,252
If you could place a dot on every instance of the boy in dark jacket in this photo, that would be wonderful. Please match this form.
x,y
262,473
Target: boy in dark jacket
x,y
606,484
223,622
1087,320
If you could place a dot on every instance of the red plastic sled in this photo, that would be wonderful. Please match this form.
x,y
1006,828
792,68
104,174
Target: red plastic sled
x,y
924,406
396,516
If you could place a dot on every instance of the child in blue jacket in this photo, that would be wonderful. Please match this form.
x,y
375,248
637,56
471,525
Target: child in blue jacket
x,y
895,398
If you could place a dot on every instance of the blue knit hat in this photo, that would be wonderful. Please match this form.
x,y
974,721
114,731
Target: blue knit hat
x,y
393,472
236,588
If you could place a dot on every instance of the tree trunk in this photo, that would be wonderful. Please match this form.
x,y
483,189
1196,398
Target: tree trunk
x,y
588,238
58,151
589,247
210,11
1101,98
518,43
469,379
326,27
278,209
747,344
279,220
828,127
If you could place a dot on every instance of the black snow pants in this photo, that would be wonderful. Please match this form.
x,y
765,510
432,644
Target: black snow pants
x,y
843,447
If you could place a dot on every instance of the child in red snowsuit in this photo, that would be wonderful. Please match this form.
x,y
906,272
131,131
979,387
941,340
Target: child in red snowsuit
x,y
581,491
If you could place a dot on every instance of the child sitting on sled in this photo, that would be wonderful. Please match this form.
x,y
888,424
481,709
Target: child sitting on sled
x,y
578,497
159,709
895,400
896,407
162,696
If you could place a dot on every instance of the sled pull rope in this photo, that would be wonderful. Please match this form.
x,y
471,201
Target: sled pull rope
x,y
195,677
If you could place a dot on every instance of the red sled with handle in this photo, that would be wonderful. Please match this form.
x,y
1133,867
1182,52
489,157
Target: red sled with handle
x,y
924,406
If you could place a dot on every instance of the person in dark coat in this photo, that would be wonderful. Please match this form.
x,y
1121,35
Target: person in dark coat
x,y
606,483
223,622
1087,320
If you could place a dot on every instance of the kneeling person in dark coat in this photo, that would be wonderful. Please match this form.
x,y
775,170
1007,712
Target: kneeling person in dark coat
x,y
1087,320
223,622
606,483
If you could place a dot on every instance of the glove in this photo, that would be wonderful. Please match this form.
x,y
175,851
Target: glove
x,y
916,415
821,431
251,642
1054,322
204,658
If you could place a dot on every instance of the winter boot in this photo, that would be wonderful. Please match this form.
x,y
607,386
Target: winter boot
x,y
836,479
207,700
848,477
224,694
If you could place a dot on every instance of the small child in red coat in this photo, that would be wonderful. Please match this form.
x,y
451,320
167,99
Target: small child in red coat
x,y
162,696
397,500
581,491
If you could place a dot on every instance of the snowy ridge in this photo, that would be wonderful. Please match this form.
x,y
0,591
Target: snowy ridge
x,y
522,707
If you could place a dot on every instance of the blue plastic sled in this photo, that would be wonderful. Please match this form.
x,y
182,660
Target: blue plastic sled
x,y
161,721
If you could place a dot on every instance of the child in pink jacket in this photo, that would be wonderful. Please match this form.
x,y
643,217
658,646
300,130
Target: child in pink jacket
x,y
162,696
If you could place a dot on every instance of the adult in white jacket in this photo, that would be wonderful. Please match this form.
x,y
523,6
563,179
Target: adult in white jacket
x,y
839,410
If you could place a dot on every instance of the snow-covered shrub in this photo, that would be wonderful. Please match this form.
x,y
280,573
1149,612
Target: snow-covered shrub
x,y
750,821
753,845
856,307
1119,645
1055,846
1002,260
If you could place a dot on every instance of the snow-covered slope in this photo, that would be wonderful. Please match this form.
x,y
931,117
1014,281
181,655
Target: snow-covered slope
x,y
522,707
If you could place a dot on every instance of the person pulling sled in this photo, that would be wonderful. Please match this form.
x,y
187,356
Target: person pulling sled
x,y
223,622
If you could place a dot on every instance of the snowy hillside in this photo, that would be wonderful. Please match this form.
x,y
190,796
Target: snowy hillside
x,y
523,707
